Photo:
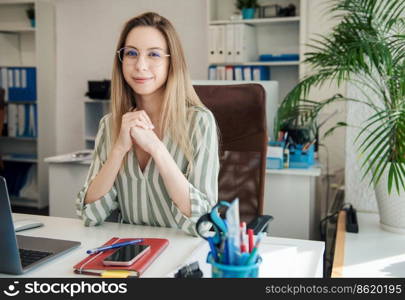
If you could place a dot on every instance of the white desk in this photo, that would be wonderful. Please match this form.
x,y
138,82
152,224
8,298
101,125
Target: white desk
x,y
373,252
309,254
289,197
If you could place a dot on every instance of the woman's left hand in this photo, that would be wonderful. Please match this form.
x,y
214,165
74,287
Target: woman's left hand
x,y
145,138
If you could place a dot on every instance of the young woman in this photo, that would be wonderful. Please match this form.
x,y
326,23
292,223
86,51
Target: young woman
x,y
156,153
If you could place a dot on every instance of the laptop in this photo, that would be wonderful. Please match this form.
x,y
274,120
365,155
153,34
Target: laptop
x,y
19,253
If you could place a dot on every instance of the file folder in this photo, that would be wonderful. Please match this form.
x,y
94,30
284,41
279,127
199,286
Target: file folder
x,y
247,73
238,71
220,43
4,82
230,44
261,73
221,73
245,43
212,45
229,73
212,73
12,120
21,120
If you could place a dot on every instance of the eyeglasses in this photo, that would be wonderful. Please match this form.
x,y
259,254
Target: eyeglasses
x,y
130,56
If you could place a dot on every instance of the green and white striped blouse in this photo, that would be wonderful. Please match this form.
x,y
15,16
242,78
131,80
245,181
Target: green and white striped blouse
x,y
142,196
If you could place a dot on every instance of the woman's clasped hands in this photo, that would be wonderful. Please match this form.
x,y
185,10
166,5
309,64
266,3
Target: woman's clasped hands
x,y
136,127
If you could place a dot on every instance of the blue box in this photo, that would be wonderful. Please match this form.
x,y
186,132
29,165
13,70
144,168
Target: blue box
x,y
275,161
279,57
300,159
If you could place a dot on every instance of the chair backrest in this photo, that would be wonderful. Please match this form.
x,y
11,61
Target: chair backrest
x,y
240,112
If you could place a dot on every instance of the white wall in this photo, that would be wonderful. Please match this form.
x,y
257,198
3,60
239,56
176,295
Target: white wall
x,y
319,22
87,32
357,192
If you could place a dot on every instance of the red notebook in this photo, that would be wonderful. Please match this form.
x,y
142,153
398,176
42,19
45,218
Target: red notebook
x,y
93,264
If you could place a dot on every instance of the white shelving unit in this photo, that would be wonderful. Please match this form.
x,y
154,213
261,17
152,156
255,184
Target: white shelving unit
x,y
278,35
25,46
94,110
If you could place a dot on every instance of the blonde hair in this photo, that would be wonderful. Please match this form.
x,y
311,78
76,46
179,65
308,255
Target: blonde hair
x,y
179,93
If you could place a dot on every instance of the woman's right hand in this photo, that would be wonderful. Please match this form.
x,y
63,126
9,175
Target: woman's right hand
x,y
131,119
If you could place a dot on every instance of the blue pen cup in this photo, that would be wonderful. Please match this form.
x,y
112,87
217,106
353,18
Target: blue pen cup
x,y
231,271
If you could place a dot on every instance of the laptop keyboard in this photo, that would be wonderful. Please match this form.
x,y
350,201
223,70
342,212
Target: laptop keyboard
x,y
30,256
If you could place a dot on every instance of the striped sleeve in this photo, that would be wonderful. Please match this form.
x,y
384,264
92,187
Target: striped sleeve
x,y
203,179
96,212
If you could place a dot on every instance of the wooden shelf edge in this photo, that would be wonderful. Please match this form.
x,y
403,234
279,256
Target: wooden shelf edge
x,y
339,254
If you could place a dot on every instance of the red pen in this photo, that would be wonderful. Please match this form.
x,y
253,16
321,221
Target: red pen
x,y
243,247
250,235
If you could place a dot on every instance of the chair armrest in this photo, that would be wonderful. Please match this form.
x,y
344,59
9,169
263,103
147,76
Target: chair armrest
x,y
260,223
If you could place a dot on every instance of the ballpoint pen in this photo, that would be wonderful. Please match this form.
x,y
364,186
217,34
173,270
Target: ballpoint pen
x,y
100,249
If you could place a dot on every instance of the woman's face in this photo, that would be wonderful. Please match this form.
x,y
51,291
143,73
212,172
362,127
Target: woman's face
x,y
144,63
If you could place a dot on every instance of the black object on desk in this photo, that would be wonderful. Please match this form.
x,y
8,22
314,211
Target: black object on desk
x,y
190,271
351,220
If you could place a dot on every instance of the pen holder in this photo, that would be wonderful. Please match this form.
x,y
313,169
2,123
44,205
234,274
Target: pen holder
x,y
234,271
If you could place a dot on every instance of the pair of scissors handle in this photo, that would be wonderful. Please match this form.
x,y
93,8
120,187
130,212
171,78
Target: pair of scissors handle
x,y
216,221
216,217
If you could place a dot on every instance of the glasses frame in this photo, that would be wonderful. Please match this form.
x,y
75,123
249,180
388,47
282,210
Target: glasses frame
x,y
122,61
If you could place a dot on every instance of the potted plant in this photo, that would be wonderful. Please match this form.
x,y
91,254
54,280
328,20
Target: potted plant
x,y
31,15
248,8
366,49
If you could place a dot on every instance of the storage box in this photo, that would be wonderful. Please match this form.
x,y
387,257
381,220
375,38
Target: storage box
x,y
274,159
301,159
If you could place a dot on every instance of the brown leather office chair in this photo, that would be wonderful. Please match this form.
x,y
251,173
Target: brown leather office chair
x,y
240,112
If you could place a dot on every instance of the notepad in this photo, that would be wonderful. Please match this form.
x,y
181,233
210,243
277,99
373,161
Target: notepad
x,y
93,264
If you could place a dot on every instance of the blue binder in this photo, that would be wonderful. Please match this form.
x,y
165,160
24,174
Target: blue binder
x,y
22,84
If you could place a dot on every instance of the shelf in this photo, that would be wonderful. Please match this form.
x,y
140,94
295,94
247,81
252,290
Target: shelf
x,y
274,63
257,21
90,138
16,30
17,66
29,139
20,201
20,102
261,63
97,101
16,158
14,2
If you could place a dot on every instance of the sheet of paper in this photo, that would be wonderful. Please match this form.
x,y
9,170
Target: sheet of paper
x,y
278,260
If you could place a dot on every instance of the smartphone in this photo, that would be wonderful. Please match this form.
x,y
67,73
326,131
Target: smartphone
x,y
126,256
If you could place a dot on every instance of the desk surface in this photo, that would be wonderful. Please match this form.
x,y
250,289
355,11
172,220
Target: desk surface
x,y
309,257
373,252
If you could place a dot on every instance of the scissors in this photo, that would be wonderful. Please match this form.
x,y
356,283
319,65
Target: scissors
x,y
216,221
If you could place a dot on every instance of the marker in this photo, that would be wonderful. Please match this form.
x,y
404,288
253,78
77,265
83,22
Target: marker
x,y
243,246
101,249
250,236
253,256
